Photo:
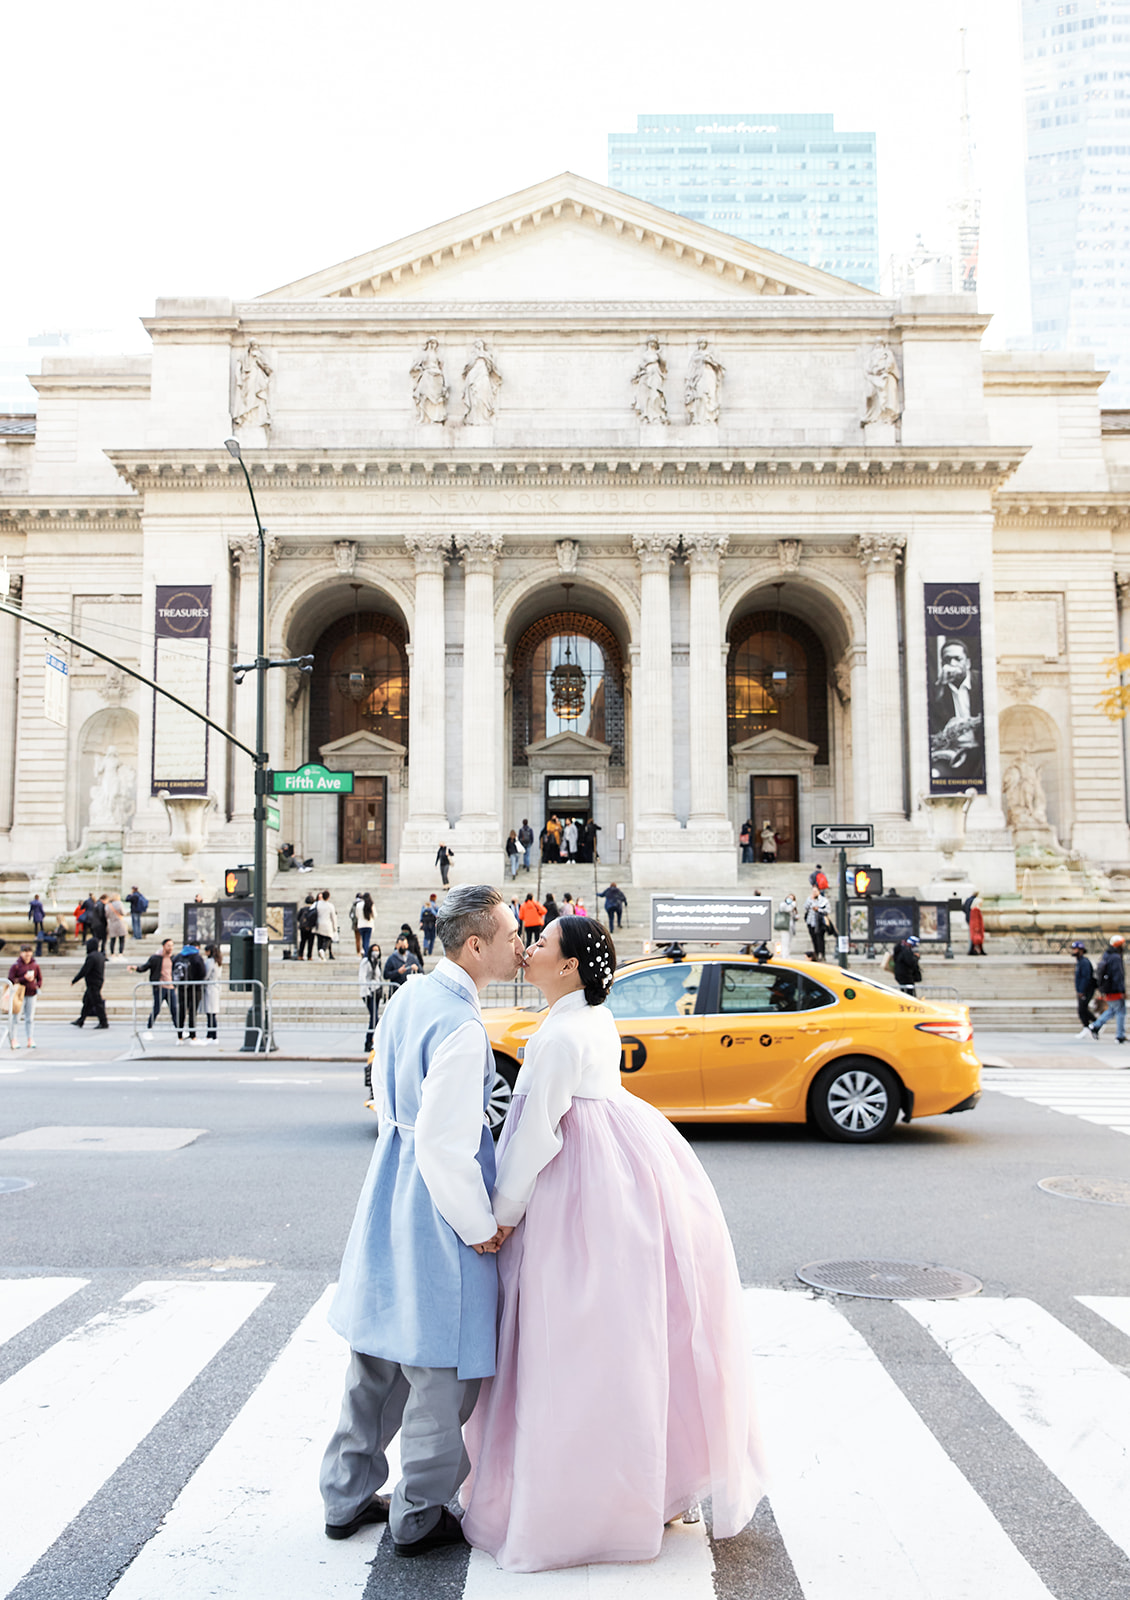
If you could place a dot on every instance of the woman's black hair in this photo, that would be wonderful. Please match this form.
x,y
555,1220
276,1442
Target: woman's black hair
x,y
584,940
367,904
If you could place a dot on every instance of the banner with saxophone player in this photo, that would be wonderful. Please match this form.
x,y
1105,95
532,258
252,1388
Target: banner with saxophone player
x,y
953,673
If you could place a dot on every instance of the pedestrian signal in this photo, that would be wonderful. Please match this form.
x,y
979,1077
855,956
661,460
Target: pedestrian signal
x,y
237,883
864,880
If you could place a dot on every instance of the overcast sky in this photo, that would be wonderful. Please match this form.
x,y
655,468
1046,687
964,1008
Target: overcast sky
x,y
229,146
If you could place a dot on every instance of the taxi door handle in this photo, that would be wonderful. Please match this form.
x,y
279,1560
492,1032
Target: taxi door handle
x,y
677,1033
812,1027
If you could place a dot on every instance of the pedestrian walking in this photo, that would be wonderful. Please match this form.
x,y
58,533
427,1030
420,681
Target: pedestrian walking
x,y
401,964
417,1292
905,964
210,994
444,858
369,985
768,842
567,908
365,917
975,917
353,922
327,926
307,928
189,972
116,928
159,969
615,904
1111,978
551,841
429,911
818,878
745,839
526,840
784,922
818,921
36,916
1085,985
92,973
25,980
513,854
137,904
531,916
552,910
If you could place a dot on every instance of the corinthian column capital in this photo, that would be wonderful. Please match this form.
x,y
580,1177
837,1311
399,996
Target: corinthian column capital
x,y
429,549
654,550
880,552
480,550
1122,583
704,551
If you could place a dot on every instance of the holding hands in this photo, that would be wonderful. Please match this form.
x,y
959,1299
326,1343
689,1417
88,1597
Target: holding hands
x,y
491,1246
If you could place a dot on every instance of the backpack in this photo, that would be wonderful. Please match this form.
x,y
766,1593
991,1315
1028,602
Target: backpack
x,y
181,968
308,918
821,881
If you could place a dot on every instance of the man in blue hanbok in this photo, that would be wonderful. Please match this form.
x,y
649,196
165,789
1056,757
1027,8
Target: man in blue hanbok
x,y
418,1288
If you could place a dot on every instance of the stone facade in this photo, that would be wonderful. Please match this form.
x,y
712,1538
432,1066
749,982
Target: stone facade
x,y
465,526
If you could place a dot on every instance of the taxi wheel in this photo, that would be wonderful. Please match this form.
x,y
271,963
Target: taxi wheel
x,y
505,1074
855,1101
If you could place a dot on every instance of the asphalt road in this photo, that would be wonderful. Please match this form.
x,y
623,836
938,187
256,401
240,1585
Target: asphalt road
x,y
861,1397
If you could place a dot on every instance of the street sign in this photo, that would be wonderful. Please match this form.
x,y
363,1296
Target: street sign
x,y
711,919
274,818
55,689
834,834
311,779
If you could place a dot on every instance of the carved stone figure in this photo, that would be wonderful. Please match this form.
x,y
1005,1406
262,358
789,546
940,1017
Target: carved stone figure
x,y
252,407
345,555
112,793
649,402
1025,805
567,552
429,387
481,383
881,378
788,554
703,393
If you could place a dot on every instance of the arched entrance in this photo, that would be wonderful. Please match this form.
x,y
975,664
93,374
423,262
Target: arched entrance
x,y
777,720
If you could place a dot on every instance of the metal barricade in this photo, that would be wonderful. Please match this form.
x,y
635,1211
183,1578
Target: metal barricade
x,y
330,1007
499,996
239,1024
932,991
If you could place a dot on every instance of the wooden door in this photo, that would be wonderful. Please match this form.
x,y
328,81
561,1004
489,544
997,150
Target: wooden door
x,y
776,799
362,823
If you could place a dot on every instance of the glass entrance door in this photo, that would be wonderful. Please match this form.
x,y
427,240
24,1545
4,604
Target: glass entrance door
x,y
775,799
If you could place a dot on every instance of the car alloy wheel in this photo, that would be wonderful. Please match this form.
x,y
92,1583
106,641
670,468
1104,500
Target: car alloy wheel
x,y
855,1101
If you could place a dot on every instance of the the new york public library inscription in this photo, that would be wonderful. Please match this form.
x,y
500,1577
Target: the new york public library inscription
x,y
392,502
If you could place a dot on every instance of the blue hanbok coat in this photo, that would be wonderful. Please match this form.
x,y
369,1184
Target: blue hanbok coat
x,y
410,1290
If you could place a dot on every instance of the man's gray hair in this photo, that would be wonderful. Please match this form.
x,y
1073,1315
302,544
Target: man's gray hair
x,y
467,910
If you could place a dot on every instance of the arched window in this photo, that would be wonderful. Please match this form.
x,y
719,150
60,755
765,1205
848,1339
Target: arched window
x,y
776,677
360,681
568,678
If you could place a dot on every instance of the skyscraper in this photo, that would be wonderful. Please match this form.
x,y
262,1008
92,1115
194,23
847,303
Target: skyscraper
x,y
1077,102
789,182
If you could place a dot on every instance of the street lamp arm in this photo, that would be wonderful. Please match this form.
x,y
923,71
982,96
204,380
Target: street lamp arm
x,y
58,633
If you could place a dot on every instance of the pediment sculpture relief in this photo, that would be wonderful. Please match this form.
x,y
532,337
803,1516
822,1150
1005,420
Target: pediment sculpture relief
x,y
703,393
881,380
429,386
649,401
481,383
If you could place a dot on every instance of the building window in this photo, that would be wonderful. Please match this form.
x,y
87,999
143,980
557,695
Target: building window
x,y
777,679
360,681
559,651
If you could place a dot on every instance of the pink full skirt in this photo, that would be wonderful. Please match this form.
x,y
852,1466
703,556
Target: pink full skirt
x,y
622,1393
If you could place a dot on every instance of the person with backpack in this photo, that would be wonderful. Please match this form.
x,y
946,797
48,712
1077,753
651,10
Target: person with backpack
x,y
189,973
307,928
905,965
1085,984
429,911
745,839
137,904
818,878
1111,977
92,973
526,840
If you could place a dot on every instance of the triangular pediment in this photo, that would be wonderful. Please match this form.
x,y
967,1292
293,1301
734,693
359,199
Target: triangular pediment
x,y
570,747
775,743
569,239
356,747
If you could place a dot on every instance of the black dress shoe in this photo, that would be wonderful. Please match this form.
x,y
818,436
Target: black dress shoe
x,y
76,1024
448,1530
375,1509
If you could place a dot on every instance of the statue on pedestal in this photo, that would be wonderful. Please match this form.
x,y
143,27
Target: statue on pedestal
x,y
112,793
252,408
703,393
1025,804
429,387
481,383
881,377
649,402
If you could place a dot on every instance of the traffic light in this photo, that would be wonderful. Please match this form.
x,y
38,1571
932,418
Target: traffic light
x,y
864,880
238,883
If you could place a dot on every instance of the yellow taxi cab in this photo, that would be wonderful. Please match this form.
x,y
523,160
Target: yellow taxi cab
x,y
709,1037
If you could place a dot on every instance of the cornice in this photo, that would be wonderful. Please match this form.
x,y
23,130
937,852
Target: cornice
x,y
892,467
1051,380
116,383
1048,509
117,511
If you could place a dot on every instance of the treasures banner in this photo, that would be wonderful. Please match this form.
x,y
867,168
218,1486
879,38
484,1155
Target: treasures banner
x,y
183,625
953,667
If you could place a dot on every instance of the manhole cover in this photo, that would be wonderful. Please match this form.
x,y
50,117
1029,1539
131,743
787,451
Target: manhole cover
x,y
1101,1191
889,1280
10,1185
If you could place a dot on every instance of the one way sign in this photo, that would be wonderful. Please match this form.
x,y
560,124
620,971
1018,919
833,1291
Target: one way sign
x,y
842,833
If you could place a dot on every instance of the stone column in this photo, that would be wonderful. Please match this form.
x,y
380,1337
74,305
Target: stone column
x,y
652,714
479,838
244,550
709,767
427,701
879,556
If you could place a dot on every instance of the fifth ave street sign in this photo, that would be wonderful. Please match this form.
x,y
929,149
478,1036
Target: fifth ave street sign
x,y
842,833
311,779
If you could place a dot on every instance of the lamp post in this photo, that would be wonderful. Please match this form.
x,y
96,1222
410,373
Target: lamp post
x,y
260,667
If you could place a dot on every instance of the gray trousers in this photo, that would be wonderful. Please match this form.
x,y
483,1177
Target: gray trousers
x,y
428,1407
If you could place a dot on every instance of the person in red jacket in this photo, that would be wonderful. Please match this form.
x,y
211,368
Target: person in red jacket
x,y
24,972
976,919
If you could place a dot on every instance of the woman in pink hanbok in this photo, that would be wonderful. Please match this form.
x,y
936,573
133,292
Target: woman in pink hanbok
x,y
622,1391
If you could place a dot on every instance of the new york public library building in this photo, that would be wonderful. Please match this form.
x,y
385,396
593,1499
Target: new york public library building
x,y
580,508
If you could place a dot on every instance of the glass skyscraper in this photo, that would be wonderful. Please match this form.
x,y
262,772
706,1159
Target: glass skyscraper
x,y
1077,102
788,182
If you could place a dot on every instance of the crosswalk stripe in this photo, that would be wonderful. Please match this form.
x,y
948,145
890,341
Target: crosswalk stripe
x,y
73,1415
247,1522
866,1498
683,1570
1068,1405
24,1300
1115,1308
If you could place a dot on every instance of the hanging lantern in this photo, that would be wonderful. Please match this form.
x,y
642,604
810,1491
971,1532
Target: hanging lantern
x,y
567,681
